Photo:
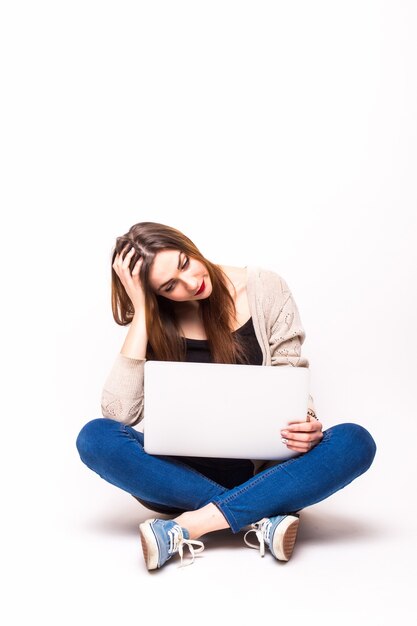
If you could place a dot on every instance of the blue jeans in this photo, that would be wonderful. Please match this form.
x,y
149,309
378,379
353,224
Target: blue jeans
x,y
115,452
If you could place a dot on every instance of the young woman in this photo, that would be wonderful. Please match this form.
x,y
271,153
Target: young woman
x,y
181,307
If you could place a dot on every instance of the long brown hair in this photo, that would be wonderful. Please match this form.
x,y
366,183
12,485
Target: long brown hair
x,y
218,311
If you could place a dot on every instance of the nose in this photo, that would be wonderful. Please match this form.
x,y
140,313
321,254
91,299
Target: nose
x,y
192,284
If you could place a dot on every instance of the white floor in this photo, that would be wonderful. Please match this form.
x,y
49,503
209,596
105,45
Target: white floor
x,y
80,561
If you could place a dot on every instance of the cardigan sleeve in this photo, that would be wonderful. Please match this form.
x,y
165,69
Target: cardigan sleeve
x,y
122,395
286,332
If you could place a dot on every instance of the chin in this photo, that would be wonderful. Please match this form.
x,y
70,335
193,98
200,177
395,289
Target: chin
x,y
205,296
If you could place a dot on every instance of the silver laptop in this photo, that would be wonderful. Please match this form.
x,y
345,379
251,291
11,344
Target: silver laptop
x,y
222,410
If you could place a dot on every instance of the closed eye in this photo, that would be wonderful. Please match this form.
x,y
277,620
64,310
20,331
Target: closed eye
x,y
183,267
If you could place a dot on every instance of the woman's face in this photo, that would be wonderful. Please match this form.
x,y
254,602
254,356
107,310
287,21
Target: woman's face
x,y
176,276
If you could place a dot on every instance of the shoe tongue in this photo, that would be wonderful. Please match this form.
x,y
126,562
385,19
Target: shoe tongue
x,y
185,532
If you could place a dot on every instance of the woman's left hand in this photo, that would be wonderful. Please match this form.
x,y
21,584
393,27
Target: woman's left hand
x,y
302,436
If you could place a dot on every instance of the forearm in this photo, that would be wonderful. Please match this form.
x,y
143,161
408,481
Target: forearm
x,y
136,341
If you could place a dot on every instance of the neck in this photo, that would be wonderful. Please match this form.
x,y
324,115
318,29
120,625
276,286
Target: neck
x,y
193,306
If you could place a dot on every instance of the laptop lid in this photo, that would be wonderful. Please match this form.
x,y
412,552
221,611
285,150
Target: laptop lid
x,y
222,410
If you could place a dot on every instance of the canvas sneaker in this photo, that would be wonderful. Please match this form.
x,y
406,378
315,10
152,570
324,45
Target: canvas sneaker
x,y
161,539
278,533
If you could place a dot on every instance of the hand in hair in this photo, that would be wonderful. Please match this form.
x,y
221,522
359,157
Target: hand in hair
x,y
130,280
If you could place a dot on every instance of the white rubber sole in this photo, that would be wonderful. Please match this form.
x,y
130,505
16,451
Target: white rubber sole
x,y
149,544
284,538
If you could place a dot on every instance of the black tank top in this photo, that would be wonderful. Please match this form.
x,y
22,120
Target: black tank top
x,y
198,350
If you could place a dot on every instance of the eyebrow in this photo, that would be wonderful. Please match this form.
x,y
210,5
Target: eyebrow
x,y
168,281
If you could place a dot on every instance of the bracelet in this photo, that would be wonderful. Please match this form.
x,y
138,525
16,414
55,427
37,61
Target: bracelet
x,y
312,414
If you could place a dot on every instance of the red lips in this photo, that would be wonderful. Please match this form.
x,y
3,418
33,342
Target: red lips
x,y
203,286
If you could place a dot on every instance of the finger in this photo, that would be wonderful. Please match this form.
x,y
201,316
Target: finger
x,y
297,437
123,250
123,265
136,269
118,259
302,437
128,257
299,448
302,446
304,426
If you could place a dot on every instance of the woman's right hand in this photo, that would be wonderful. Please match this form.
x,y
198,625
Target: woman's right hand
x,y
130,280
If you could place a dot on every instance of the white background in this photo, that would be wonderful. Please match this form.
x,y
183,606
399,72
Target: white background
x,y
277,134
